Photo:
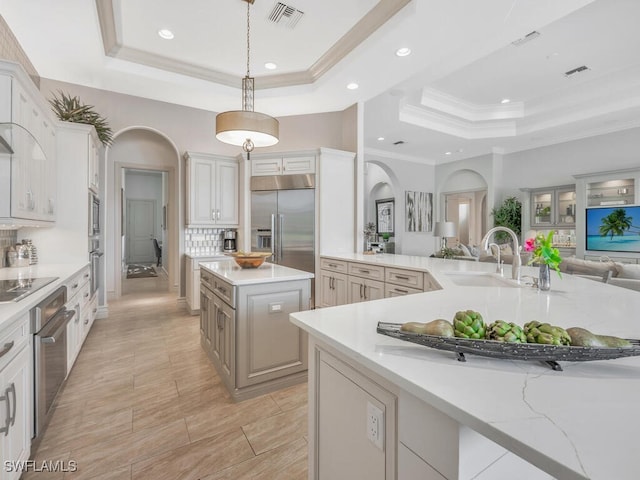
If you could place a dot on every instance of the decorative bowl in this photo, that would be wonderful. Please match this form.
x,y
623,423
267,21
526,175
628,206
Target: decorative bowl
x,y
250,259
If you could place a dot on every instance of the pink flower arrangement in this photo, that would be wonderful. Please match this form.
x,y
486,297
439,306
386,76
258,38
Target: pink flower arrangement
x,y
543,251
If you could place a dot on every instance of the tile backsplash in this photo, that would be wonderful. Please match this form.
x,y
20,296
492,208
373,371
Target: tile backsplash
x,y
203,241
7,238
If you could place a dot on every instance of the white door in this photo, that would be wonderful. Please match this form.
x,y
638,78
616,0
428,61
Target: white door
x,y
141,227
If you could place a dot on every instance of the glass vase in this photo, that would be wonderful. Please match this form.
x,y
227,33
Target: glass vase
x,y
544,278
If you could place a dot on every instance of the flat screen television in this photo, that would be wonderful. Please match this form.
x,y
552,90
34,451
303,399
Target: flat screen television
x,y
613,229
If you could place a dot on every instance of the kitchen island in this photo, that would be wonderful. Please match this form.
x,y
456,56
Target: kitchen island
x,y
244,326
400,410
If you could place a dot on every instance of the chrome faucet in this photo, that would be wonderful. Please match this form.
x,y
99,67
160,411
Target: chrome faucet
x,y
517,261
499,265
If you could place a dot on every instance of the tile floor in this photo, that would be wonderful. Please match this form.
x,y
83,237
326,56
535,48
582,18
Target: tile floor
x,y
143,402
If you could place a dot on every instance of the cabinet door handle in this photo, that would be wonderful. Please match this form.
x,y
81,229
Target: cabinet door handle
x,y
86,321
361,296
399,290
364,271
15,404
365,292
7,420
213,214
218,214
333,265
402,277
6,348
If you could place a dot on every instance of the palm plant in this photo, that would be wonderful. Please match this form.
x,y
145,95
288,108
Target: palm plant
x,y
616,223
70,109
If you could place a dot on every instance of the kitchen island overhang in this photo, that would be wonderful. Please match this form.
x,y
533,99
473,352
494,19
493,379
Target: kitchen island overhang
x,y
245,328
570,424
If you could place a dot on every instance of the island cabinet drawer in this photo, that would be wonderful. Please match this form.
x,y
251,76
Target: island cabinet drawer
x,y
12,338
430,283
225,291
405,278
338,266
398,291
74,284
364,270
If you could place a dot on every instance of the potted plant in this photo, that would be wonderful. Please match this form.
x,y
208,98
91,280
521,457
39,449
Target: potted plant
x,y
509,215
70,109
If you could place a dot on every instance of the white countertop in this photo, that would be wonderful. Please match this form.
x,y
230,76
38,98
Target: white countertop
x,y
11,311
582,422
219,255
229,271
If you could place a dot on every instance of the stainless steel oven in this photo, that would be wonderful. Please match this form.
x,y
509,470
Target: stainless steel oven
x,y
49,321
94,215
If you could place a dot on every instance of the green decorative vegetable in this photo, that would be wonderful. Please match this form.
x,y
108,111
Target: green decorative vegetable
x,y
506,332
581,337
545,333
469,324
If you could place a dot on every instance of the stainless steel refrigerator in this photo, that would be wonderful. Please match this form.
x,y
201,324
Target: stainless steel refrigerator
x,y
283,220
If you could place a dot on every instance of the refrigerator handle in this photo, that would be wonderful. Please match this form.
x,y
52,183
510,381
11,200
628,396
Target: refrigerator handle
x,y
280,228
273,238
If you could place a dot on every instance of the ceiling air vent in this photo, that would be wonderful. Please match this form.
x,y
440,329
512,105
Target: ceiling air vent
x,y
399,142
286,15
575,71
527,38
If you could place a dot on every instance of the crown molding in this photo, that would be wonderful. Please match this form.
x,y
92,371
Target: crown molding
x,y
384,154
438,100
374,19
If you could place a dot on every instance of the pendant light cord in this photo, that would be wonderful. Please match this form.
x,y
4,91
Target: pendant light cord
x,y
248,38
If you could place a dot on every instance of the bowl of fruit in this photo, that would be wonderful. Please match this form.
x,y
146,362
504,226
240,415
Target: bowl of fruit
x,y
250,259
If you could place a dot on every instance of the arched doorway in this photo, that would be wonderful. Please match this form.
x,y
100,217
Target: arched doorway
x,y
142,149
464,201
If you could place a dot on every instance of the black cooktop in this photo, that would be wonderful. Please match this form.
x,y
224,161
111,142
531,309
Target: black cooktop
x,y
17,289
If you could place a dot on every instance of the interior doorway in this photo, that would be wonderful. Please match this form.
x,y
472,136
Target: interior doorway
x,y
144,203
468,210
140,231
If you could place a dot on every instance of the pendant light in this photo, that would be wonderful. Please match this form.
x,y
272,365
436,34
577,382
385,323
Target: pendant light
x,y
245,127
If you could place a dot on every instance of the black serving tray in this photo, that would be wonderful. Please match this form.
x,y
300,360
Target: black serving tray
x,y
549,354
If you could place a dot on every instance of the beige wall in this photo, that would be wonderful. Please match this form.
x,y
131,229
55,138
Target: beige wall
x,y
11,50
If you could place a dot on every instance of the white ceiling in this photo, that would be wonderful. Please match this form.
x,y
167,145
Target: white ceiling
x,y
444,97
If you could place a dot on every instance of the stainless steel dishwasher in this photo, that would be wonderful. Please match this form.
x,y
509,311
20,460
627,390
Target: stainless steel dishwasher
x,y
49,321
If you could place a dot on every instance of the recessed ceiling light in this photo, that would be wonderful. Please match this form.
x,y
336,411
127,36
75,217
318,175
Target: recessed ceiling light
x,y
352,86
165,33
380,139
447,153
403,52
505,100
270,66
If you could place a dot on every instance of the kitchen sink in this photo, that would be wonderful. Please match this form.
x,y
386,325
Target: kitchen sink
x,y
480,279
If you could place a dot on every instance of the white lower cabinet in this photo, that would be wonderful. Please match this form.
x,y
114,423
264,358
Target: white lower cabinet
x,y
79,326
412,467
192,276
344,449
362,289
352,282
15,397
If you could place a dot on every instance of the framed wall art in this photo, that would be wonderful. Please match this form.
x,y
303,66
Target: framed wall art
x,y
385,213
418,211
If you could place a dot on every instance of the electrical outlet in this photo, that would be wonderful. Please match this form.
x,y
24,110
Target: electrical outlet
x,y
375,425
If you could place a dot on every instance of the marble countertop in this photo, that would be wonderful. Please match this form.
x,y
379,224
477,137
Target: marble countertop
x,y
12,310
229,271
580,423
219,255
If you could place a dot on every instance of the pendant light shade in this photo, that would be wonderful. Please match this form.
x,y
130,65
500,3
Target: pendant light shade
x,y
245,127
236,126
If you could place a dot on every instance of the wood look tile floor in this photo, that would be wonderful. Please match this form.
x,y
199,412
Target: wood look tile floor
x,y
143,402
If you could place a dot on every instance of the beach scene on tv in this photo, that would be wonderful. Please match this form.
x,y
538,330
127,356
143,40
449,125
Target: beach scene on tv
x,y
614,229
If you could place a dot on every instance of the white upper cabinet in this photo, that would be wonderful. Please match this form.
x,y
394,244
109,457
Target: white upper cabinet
x,y
283,165
28,175
212,191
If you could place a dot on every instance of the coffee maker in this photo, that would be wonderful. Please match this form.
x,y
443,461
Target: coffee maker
x,y
229,242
